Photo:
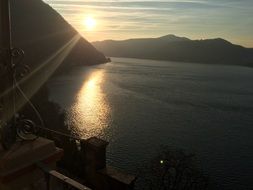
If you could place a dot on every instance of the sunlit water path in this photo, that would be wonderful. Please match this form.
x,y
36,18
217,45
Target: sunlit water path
x,y
89,114
139,105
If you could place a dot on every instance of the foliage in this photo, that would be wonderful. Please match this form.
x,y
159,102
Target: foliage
x,y
173,170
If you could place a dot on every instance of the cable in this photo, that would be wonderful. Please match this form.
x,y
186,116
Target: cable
x,y
15,53
60,133
14,97
38,114
40,118
30,103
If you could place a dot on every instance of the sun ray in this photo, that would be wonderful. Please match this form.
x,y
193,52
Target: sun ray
x,y
33,82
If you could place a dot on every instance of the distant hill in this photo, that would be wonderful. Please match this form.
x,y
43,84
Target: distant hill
x,y
40,31
173,48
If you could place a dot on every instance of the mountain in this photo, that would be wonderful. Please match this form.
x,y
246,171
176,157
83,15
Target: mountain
x,y
40,31
173,48
173,38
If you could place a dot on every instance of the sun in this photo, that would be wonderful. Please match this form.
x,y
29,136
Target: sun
x,y
89,22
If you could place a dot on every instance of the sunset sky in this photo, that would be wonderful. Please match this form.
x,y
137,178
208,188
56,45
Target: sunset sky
x,y
195,19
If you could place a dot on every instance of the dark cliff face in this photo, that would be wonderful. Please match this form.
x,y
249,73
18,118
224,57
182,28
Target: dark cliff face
x,y
40,31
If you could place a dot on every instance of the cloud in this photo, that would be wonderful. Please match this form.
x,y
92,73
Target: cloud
x,y
214,18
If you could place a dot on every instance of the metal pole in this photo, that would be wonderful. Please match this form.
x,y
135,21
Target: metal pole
x,y
6,81
5,35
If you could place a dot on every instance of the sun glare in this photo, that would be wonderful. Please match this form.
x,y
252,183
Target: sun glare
x,y
89,23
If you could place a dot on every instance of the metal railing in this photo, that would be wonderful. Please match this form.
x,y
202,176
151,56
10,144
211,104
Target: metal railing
x,y
64,182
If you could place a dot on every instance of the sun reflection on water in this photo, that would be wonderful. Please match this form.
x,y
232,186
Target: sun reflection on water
x,y
90,114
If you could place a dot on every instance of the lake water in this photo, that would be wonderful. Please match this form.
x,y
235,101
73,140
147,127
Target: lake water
x,y
138,105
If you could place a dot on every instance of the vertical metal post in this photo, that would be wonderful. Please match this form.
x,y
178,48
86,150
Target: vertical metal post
x,y
5,30
47,176
6,62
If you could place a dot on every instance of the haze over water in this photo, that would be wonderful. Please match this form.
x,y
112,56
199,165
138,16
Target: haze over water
x,y
138,105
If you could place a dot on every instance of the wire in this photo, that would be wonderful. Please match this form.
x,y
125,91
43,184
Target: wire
x,y
17,52
30,103
39,115
60,133
14,97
